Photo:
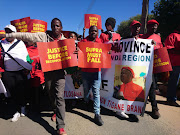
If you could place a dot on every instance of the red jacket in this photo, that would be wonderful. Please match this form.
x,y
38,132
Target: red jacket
x,y
98,40
173,42
131,91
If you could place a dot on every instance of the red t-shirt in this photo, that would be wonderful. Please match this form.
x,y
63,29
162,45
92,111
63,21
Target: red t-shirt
x,y
36,74
173,42
155,37
131,91
98,40
105,37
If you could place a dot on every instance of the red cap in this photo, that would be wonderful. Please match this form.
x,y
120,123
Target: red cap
x,y
152,22
128,68
135,22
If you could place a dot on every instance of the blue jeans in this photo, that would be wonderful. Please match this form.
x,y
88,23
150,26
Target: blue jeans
x,y
92,81
173,83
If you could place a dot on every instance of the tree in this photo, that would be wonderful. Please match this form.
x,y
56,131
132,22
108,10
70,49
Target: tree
x,y
124,30
167,13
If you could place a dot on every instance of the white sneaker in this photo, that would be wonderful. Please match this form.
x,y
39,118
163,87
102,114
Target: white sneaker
x,y
122,114
16,116
23,111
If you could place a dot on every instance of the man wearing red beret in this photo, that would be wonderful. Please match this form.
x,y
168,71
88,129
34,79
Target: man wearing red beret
x,y
152,26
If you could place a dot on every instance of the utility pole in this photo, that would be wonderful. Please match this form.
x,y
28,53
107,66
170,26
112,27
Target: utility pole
x,y
144,16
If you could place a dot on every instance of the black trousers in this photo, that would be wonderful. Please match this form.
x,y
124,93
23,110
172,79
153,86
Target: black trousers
x,y
152,95
14,82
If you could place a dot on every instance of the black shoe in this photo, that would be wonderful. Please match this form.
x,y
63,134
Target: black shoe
x,y
155,114
173,103
98,120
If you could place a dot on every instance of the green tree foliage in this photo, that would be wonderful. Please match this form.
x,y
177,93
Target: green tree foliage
x,y
123,28
167,13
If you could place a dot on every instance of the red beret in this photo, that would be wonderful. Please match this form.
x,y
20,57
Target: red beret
x,y
128,68
135,22
152,22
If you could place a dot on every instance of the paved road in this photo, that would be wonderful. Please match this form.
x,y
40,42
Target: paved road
x,y
79,122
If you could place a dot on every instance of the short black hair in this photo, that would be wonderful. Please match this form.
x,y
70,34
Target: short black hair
x,y
92,27
74,33
56,19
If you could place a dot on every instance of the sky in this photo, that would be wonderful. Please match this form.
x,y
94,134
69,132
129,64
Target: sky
x,y
70,12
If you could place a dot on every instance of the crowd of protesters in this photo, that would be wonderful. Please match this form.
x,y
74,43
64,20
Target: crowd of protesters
x,y
19,60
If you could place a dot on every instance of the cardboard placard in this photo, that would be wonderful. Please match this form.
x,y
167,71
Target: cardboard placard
x,y
57,55
92,19
21,24
161,61
94,55
35,25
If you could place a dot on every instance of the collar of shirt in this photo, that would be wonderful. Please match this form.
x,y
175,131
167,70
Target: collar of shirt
x,y
6,42
57,38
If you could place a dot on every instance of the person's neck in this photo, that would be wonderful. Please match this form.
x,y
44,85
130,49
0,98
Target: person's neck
x,y
11,41
135,36
56,36
150,33
92,39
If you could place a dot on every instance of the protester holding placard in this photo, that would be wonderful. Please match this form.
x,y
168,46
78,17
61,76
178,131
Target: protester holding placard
x,y
54,80
110,35
92,78
15,64
152,26
172,43
135,27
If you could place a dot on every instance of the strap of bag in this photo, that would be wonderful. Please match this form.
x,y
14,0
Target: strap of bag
x,y
12,46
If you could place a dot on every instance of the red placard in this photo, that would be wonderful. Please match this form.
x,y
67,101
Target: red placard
x,y
161,61
94,55
21,24
92,19
35,25
57,55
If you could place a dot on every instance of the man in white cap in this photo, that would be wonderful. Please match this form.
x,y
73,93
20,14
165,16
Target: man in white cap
x,y
14,56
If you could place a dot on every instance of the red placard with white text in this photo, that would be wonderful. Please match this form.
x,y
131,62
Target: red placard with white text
x,y
161,61
21,24
94,55
57,55
92,19
35,25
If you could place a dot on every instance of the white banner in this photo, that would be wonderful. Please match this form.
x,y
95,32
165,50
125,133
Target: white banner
x,y
126,84
73,85
135,58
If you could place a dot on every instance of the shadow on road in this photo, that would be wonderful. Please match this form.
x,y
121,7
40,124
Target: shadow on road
x,y
37,117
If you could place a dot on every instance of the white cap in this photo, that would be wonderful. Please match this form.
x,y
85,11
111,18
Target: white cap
x,y
11,27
